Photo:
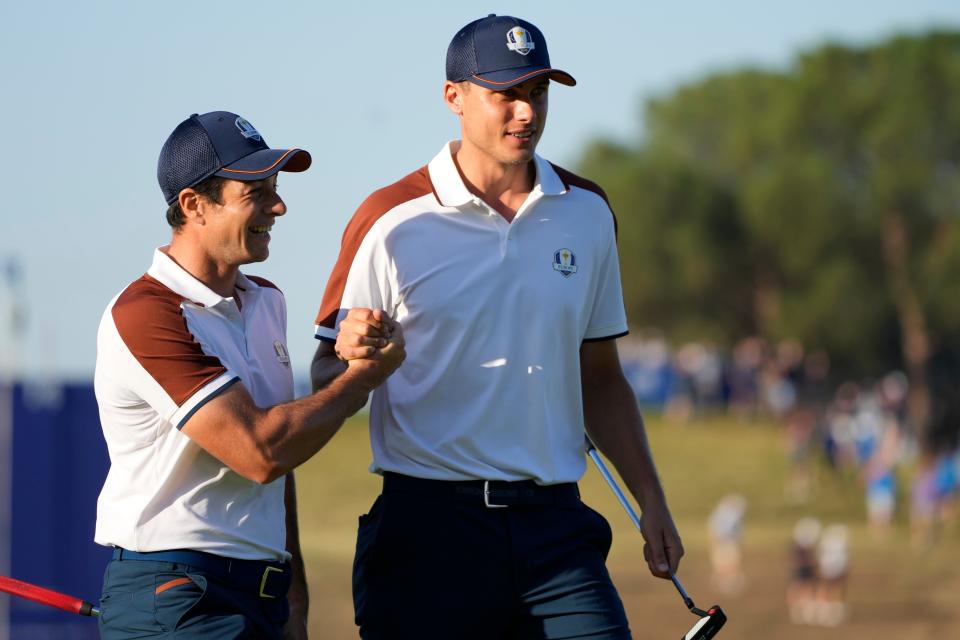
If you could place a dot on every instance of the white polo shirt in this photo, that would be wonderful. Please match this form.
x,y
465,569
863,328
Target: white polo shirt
x,y
167,344
494,314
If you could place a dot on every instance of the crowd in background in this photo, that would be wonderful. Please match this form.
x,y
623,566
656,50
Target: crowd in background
x,y
860,429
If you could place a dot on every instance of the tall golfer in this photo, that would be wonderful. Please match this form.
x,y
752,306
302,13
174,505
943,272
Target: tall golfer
x,y
503,270
195,391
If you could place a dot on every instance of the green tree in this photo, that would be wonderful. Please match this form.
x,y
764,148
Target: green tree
x,y
820,202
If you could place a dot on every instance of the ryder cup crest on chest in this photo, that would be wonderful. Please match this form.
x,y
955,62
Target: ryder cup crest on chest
x,y
565,262
520,40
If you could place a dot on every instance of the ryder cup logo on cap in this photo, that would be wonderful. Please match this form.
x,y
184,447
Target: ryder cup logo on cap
x,y
477,53
221,144
519,40
247,129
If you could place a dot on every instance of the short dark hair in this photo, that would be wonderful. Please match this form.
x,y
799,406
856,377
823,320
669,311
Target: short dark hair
x,y
210,188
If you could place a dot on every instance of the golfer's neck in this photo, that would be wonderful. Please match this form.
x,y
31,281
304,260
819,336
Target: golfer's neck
x,y
221,278
490,179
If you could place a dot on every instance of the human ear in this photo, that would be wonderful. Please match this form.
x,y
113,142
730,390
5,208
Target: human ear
x,y
191,205
453,97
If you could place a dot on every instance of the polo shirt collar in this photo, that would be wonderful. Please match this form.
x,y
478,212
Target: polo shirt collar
x,y
548,181
167,272
451,192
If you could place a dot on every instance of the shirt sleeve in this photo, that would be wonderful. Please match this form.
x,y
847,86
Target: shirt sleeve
x,y
165,365
362,277
608,319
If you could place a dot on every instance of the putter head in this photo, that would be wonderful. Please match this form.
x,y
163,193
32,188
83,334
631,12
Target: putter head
x,y
707,626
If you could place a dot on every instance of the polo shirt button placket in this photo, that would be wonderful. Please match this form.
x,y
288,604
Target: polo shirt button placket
x,y
233,315
504,243
510,247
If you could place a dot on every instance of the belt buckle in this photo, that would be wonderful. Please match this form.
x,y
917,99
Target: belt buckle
x,y
486,498
263,581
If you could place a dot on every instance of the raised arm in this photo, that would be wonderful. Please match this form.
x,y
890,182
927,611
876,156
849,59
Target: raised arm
x,y
264,444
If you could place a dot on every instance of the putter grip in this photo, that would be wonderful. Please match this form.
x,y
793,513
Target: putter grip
x,y
45,596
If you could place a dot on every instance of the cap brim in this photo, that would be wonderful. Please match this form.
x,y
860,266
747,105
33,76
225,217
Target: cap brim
x,y
265,163
501,80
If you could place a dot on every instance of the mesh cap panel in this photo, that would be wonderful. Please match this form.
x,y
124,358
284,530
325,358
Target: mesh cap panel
x,y
186,158
461,55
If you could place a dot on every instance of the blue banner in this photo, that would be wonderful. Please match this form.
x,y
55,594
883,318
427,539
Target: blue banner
x,y
59,462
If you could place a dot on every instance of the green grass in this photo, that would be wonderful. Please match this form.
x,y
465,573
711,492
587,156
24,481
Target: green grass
x,y
895,592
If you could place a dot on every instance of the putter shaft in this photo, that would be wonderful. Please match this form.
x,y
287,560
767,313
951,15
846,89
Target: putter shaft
x,y
622,499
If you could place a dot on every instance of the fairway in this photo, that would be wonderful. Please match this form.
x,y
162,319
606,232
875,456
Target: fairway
x,y
895,592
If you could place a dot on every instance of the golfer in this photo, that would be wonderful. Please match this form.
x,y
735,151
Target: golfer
x,y
503,270
195,391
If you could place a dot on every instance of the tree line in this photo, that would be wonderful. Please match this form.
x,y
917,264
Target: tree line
x,y
818,202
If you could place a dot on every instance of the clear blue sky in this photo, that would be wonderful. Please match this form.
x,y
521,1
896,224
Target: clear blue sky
x,y
91,90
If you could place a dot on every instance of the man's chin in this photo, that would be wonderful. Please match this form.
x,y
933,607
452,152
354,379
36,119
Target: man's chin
x,y
257,256
516,159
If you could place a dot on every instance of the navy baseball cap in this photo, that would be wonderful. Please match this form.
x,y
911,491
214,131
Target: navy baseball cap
x,y
222,144
498,52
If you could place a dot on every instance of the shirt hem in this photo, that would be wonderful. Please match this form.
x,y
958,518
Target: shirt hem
x,y
610,337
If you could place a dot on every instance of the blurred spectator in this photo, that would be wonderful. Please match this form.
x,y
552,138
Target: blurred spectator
x,y
946,486
744,376
726,546
699,369
880,480
781,376
937,482
923,503
833,563
800,430
803,421
647,367
881,463
802,588
868,425
840,437
953,503
893,390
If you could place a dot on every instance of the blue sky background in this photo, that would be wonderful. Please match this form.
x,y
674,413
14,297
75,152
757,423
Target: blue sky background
x,y
91,90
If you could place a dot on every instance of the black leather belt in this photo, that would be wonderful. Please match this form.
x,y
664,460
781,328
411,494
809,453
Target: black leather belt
x,y
266,578
489,493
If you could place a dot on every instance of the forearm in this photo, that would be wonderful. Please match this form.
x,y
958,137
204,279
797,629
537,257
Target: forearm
x,y
263,444
614,423
292,433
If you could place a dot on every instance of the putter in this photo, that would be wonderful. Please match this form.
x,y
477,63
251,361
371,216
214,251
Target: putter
x,y
48,597
710,620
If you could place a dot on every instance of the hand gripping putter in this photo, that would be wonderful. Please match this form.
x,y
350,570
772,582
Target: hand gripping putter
x,y
710,620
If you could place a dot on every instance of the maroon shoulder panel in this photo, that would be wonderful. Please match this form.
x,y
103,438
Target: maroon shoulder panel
x,y
571,179
263,282
150,322
411,187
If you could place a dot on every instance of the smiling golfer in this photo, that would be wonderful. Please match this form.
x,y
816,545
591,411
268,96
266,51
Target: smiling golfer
x,y
195,391
503,270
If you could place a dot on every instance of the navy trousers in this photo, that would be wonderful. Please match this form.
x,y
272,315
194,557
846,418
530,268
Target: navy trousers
x,y
147,599
437,563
